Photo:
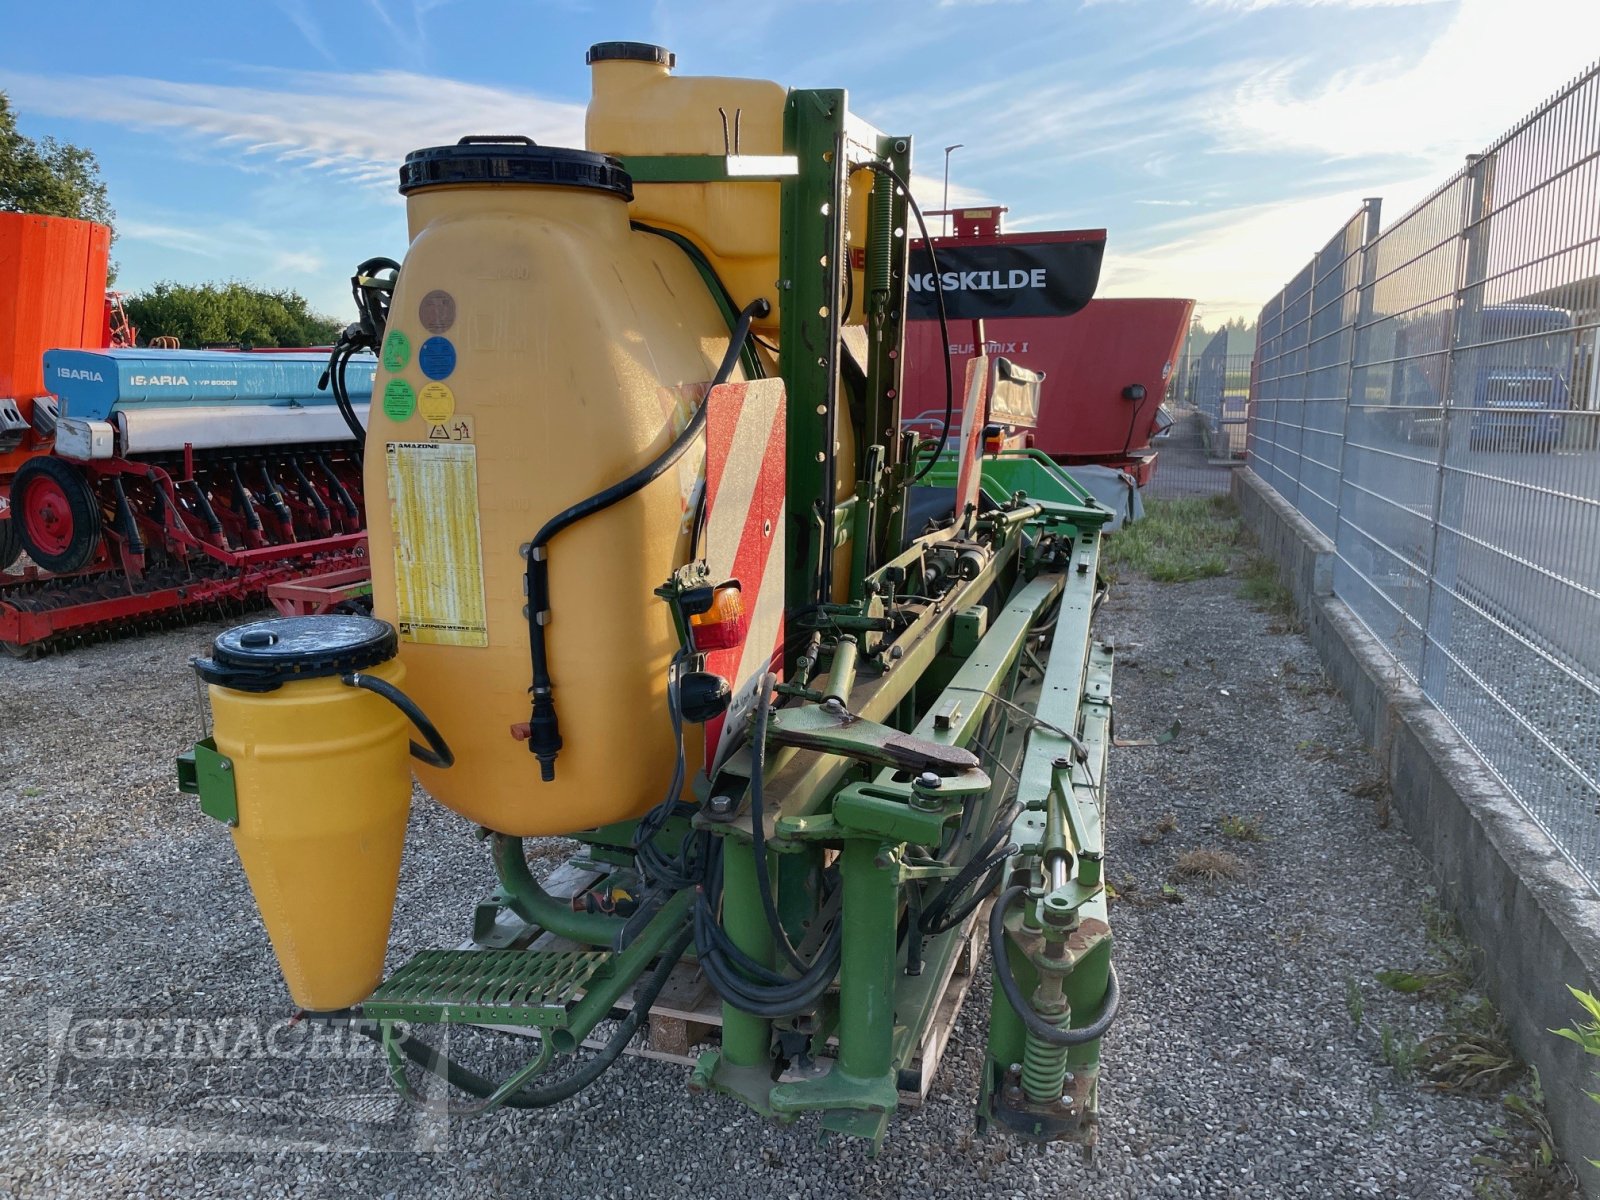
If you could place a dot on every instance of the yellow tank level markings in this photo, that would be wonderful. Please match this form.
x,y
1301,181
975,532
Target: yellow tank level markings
x,y
436,402
438,548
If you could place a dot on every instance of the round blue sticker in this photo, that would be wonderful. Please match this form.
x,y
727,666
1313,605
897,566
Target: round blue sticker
x,y
437,357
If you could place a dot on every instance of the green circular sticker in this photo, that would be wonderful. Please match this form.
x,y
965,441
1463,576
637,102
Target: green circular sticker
x,y
399,401
396,351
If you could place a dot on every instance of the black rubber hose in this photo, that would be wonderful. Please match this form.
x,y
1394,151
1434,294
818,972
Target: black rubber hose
x,y
751,986
764,1000
544,729
565,1088
758,821
944,323
437,752
943,921
1036,1025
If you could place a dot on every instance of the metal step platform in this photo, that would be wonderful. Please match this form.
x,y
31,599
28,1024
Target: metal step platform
x,y
496,987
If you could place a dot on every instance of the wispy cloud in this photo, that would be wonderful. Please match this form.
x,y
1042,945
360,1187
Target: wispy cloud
x,y
1234,259
358,126
1168,203
1487,68
301,18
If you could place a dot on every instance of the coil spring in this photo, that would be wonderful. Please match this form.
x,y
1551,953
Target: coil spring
x,y
880,245
1044,1067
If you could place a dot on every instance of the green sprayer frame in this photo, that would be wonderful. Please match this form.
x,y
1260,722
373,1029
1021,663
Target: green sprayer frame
x,y
949,686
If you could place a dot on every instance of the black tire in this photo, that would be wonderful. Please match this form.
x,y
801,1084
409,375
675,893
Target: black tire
x,y
56,513
10,543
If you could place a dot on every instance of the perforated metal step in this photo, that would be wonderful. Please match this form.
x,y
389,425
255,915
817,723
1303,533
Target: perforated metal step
x,y
499,987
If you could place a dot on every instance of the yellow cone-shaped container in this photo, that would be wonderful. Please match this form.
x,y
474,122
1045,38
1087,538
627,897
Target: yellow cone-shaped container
x,y
323,784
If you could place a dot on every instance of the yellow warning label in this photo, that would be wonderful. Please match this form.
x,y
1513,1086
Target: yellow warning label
x,y
436,402
438,548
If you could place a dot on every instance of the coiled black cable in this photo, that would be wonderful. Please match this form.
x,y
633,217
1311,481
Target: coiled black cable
x,y
1036,1025
743,982
671,873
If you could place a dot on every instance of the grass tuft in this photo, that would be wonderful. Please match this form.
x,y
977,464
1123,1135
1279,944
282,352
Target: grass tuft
x,y
1177,540
1240,829
1210,865
1260,586
1165,824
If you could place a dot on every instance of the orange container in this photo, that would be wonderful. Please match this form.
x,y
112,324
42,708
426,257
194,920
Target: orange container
x,y
52,294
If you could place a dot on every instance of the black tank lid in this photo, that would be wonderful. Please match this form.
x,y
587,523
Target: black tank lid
x,y
630,52
517,159
264,655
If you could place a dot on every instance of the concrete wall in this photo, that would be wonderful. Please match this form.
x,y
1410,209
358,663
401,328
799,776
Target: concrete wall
x,y
1535,917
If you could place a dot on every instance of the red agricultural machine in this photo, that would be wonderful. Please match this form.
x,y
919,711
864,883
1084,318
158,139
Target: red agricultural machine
x,y
138,485
1106,370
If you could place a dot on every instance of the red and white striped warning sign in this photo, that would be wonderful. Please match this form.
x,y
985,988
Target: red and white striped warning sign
x,y
746,485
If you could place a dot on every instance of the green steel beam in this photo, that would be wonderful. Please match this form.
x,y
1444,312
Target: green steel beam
x,y
810,289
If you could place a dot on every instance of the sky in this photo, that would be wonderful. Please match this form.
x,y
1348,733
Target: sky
x,y
1220,142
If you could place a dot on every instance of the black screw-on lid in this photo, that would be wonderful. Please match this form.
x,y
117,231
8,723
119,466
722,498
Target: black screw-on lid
x,y
486,159
264,655
630,52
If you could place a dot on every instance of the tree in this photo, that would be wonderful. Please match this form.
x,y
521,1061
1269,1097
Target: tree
x,y
54,179
223,313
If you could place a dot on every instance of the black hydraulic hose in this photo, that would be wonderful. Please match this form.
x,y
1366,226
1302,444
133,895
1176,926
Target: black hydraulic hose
x,y
437,752
937,915
758,832
565,1088
947,917
544,730
1036,1025
764,1000
944,323
366,333
748,985
340,359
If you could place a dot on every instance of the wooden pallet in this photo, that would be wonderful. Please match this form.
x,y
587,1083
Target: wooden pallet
x,y
687,1016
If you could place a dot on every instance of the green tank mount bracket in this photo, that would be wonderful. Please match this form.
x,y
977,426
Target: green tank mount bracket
x,y
204,772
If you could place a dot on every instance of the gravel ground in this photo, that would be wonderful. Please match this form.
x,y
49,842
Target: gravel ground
x,y
1234,1070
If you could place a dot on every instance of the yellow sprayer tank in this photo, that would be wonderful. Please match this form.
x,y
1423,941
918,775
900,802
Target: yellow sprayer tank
x,y
639,106
538,350
323,789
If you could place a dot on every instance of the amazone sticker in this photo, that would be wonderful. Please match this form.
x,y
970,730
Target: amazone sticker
x,y
396,351
438,551
437,358
399,401
436,402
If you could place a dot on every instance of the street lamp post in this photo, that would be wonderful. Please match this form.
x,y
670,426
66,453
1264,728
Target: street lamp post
x,y
948,150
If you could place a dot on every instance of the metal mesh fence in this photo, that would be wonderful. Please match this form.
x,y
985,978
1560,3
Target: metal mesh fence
x,y
1218,385
1302,374
1429,398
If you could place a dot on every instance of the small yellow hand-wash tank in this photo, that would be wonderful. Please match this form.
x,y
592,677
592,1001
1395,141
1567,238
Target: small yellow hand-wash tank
x,y
538,351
